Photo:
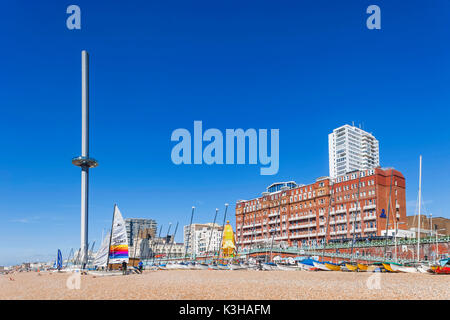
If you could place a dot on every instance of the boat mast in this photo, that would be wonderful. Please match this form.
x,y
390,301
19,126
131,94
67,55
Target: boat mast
x,y
155,244
420,204
189,235
135,243
210,236
92,251
223,229
165,242
171,241
110,237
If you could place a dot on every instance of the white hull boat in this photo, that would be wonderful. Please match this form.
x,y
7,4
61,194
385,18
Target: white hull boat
x,y
404,269
287,267
269,266
320,266
201,266
237,267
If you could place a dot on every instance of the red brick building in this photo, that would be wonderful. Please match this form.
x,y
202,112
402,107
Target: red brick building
x,y
324,209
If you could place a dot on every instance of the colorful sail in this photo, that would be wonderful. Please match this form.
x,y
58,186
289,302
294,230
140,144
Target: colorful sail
x,y
102,254
118,250
228,245
59,261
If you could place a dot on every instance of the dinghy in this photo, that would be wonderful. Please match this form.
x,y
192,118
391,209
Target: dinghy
x,y
362,267
405,269
351,267
320,266
268,266
332,266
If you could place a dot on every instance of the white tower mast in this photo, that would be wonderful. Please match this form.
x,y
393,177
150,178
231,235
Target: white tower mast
x,y
420,205
84,161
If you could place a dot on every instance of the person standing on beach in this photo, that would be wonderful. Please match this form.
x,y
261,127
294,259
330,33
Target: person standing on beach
x,y
124,268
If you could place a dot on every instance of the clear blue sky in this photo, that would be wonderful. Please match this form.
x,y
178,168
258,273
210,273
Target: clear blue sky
x,y
304,67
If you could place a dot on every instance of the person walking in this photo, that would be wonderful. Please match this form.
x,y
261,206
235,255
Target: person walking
x,y
124,268
140,266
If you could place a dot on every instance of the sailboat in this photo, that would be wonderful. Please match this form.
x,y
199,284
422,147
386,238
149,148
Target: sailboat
x,y
118,244
102,254
114,248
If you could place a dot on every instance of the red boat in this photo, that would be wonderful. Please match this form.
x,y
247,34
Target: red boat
x,y
441,270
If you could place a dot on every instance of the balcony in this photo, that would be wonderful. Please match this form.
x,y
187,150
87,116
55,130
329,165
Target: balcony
x,y
370,229
354,209
374,217
274,214
370,206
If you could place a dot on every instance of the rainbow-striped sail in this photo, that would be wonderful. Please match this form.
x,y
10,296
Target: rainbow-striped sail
x,y
118,250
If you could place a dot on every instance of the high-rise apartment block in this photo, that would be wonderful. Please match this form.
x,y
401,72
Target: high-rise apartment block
x,y
351,148
139,226
201,239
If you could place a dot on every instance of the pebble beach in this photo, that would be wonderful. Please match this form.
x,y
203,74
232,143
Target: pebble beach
x,y
229,285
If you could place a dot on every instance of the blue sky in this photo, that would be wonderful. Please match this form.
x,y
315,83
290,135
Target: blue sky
x,y
301,67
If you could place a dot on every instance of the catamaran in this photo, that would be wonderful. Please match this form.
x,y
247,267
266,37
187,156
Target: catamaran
x,y
114,248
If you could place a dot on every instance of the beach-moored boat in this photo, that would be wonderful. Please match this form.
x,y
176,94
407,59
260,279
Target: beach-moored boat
x,y
268,266
406,269
351,267
287,267
362,267
320,266
387,266
307,265
221,266
332,266
236,266
442,268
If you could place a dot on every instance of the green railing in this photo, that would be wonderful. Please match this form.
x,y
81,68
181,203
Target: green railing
x,y
318,250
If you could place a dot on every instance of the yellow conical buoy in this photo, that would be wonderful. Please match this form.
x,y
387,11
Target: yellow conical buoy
x,y
228,245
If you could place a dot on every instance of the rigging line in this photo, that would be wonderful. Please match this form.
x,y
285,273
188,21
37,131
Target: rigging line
x,y
210,236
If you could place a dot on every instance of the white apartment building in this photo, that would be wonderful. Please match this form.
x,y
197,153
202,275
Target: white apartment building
x,y
351,148
200,236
